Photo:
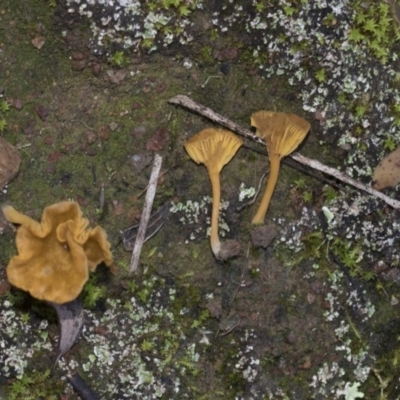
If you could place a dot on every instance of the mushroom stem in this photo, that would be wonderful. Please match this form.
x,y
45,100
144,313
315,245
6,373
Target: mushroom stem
x,y
216,194
274,164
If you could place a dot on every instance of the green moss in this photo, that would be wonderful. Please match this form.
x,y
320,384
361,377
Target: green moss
x,y
35,385
373,25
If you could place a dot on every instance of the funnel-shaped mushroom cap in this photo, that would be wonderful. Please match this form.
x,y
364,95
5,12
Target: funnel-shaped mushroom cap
x,y
55,255
213,147
282,132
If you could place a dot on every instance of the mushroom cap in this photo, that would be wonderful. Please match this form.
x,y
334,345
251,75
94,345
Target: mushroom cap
x,y
282,132
213,147
55,255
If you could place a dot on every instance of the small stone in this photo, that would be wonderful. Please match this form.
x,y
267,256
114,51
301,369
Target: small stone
x,y
393,275
5,287
78,65
306,364
310,298
96,69
29,129
116,76
227,54
118,208
113,126
229,249
291,338
158,140
91,136
38,42
380,266
140,161
91,152
262,236
104,132
77,56
138,132
214,305
9,162
42,111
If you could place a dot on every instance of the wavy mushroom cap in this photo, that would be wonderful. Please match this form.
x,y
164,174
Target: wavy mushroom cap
x,y
55,255
213,147
282,132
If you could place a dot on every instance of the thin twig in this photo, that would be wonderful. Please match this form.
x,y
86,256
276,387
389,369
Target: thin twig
x,y
144,219
341,176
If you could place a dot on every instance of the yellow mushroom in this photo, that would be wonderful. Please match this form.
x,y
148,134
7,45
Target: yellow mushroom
x,y
282,134
214,148
56,254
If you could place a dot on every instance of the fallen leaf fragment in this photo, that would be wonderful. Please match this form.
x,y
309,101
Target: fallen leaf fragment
x,y
387,173
70,322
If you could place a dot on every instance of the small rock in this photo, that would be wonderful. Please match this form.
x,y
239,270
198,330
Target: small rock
x,y
140,161
54,157
5,226
136,106
113,126
9,162
38,42
317,287
104,132
227,54
42,112
100,330
116,76
263,235
5,287
214,305
393,275
291,338
380,266
78,65
229,249
138,132
77,56
16,103
96,69
306,364
91,136
118,208
158,140
28,130
310,298
91,152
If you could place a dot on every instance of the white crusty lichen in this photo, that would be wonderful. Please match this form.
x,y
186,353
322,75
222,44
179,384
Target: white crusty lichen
x,y
350,391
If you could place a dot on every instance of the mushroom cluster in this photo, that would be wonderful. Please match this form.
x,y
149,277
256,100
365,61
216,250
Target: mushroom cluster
x,y
56,254
215,147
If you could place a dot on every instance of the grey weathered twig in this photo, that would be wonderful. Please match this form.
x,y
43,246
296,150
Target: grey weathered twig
x,y
207,112
81,387
144,219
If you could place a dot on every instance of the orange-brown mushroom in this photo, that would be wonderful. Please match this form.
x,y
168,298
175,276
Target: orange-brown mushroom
x,y
56,254
214,148
282,134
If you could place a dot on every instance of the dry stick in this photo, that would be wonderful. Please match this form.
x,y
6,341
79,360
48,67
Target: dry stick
x,y
341,176
144,219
